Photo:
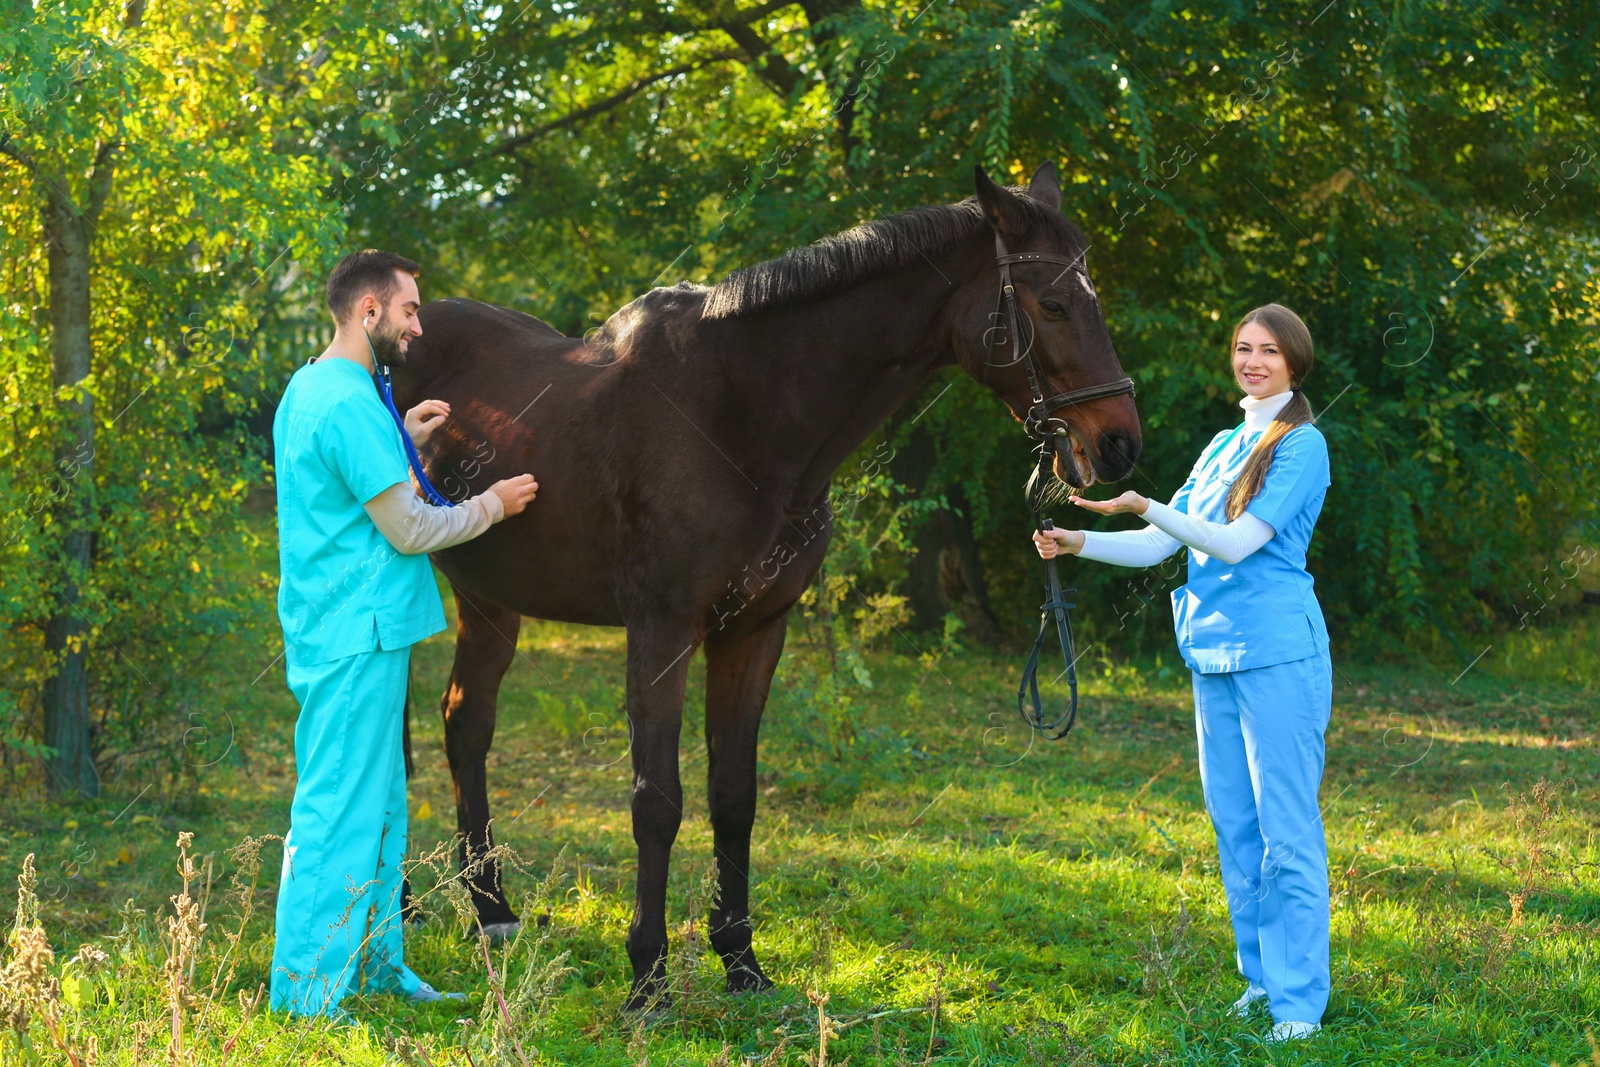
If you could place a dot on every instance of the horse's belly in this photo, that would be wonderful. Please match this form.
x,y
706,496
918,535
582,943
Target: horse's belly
x,y
543,577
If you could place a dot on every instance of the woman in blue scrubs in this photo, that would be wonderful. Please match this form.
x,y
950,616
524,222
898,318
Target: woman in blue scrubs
x,y
1251,631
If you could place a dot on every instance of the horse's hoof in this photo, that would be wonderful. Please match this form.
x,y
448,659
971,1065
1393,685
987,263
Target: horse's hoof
x,y
746,980
647,1008
498,932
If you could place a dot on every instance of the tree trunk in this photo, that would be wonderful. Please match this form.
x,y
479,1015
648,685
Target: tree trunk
x,y
843,94
944,574
69,233
961,575
911,465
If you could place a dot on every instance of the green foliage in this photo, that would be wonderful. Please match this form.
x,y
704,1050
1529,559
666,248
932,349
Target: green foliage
x,y
1220,159
1412,180
1416,181
841,620
203,197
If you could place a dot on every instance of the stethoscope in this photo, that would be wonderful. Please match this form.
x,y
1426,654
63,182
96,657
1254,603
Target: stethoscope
x,y
386,391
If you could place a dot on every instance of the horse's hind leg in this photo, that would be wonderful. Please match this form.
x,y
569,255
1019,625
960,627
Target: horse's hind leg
x,y
738,676
486,643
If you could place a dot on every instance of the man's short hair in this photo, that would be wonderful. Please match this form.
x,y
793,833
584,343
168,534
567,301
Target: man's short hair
x,y
360,273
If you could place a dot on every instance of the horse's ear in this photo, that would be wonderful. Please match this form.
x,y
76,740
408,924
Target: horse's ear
x,y
999,206
1045,185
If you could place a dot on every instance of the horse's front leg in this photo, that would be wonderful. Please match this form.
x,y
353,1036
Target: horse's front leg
x,y
739,670
658,666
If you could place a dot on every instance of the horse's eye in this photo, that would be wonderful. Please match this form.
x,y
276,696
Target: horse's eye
x,y
1052,307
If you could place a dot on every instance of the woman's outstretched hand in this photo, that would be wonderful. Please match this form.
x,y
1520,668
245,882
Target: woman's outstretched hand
x,y
1129,503
1051,542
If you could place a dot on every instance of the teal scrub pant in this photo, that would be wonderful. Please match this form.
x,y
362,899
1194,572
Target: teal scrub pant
x,y
338,918
1261,758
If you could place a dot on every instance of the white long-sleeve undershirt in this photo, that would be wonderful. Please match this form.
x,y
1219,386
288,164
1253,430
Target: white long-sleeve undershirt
x,y
1171,529
1228,541
413,526
1129,548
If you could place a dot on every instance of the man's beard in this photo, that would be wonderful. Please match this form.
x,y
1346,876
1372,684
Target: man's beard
x,y
385,342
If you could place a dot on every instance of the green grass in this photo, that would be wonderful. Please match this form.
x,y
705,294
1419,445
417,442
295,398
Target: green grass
x,y
1053,902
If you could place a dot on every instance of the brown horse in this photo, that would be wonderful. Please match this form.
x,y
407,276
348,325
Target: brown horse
x,y
684,454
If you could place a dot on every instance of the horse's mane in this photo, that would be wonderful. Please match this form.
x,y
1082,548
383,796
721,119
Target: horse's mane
x,y
841,260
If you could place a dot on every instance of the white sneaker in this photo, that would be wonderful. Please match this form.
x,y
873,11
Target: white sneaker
x,y
1292,1031
1247,999
426,994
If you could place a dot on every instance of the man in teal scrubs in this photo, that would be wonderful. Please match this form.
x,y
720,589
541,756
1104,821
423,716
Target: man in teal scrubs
x,y
352,604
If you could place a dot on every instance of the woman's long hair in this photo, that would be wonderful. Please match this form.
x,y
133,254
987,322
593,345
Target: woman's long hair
x,y
1294,341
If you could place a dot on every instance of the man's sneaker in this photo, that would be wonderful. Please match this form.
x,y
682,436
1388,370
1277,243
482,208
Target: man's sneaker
x,y
1247,999
1292,1031
426,994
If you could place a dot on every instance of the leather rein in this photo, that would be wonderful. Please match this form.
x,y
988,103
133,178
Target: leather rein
x,y
1051,433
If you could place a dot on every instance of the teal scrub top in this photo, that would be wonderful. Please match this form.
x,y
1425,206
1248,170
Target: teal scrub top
x,y
1261,610
342,588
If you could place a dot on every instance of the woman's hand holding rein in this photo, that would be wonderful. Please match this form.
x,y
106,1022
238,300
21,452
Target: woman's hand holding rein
x,y
1051,543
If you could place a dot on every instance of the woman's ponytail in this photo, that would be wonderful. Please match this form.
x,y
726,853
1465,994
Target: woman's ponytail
x,y
1294,341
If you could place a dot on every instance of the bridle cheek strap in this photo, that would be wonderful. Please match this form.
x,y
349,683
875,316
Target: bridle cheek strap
x,y
1057,608
1037,422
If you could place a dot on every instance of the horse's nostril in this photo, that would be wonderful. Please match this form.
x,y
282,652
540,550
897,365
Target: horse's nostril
x,y
1119,449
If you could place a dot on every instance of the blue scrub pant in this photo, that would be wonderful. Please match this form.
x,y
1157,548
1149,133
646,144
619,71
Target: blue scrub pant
x,y
1261,758
338,919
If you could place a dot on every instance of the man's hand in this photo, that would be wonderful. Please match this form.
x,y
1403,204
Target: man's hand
x,y
1129,503
423,419
515,493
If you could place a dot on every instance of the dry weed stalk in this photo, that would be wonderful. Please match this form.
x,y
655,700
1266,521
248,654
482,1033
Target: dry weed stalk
x,y
247,1008
1160,965
1533,820
1533,816
826,1027
29,989
511,1011
185,930
246,857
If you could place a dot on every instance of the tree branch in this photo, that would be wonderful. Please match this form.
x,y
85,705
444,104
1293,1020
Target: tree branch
x,y
617,98
9,148
100,180
745,18
659,22
817,14
776,70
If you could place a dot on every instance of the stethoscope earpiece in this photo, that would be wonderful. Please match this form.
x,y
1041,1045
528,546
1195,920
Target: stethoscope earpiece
x,y
383,371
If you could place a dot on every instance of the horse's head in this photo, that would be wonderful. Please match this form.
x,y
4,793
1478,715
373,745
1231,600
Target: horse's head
x,y
1059,316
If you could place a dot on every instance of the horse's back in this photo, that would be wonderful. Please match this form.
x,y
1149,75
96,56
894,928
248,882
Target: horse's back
x,y
456,320
497,355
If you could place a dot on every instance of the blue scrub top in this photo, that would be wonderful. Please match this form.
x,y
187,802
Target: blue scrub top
x,y
1261,610
342,588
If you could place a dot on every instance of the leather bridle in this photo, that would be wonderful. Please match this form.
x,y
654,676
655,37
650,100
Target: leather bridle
x,y
1044,427
1039,417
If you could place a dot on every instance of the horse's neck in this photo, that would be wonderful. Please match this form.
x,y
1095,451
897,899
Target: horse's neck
x,y
822,377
